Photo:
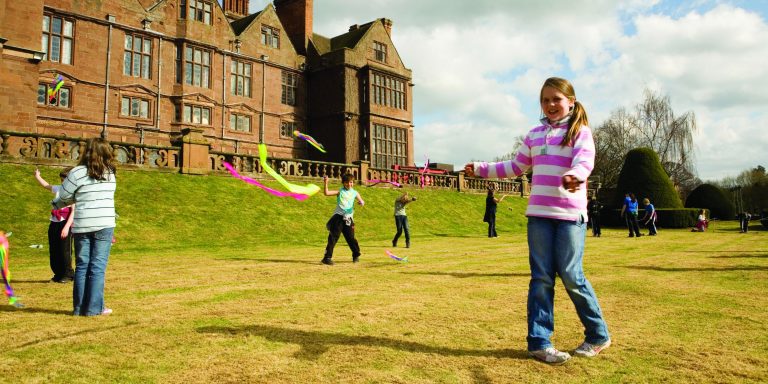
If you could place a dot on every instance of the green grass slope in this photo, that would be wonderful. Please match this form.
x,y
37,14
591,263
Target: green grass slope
x,y
160,210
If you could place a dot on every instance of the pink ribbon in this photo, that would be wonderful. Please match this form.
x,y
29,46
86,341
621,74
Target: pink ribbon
x,y
231,169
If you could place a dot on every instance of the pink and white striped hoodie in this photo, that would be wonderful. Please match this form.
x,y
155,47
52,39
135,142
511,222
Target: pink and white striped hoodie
x,y
541,150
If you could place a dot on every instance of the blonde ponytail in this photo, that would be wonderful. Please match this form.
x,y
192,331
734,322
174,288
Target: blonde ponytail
x,y
578,120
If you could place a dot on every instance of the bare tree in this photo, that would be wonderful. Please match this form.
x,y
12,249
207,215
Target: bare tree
x,y
511,155
654,125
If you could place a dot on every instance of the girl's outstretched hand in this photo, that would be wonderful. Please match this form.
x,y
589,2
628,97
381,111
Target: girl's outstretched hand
x,y
469,169
571,183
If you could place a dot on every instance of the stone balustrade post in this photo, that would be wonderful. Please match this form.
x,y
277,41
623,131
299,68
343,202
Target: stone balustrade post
x,y
362,168
194,152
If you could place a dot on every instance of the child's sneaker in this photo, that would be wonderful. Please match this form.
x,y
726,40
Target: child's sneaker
x,y
355,259
550,356
591,350
106,311
326,261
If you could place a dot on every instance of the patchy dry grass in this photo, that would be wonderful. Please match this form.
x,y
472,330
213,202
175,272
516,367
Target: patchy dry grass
x,y
216,306
682,307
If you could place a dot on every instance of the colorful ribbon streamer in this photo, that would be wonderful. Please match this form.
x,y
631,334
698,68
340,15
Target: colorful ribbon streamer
x,y
309,189
423,171
393,256
55,87
231,169
311,140
377,181
6,273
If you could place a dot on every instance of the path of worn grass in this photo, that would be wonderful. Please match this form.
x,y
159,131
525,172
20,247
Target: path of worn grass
x,y
682,307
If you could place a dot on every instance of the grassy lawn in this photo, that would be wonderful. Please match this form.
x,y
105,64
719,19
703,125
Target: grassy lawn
x,y
212,280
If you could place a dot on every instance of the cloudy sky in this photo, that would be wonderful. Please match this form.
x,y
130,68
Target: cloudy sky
x,y
478,66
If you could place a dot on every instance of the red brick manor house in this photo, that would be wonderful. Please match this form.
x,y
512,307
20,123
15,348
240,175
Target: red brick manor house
x,y
177,80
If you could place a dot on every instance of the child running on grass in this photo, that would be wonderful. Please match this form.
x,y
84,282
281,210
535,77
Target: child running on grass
x,y
342,221
59,235
561,152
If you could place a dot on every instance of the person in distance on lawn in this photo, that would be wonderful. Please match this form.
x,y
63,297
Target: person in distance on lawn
x,y
401,219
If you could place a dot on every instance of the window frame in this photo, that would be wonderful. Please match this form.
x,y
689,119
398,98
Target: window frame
x,y
131,100
145,64
287,128
238,119
289,88
57,104
389,146
192,108
379,51
388,91
241,71
270,36
48,35
186,64
199,10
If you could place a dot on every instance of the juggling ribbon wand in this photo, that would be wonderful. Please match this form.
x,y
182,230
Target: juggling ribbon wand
x,y
6,273
309,189
393,256
233,172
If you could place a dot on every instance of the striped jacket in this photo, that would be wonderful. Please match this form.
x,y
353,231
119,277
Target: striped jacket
x,y
550,161
95,208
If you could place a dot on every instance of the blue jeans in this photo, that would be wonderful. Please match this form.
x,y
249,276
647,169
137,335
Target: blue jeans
x,y
557,247
401,223
92,249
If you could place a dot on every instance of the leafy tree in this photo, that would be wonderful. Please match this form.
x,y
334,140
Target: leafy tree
x,y
643,175
653,125
748,190
713,198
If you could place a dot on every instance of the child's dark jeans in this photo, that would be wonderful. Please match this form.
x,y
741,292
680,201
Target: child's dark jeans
x,y
338,226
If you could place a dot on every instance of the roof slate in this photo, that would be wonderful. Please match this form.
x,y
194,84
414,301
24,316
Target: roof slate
x,y
240,25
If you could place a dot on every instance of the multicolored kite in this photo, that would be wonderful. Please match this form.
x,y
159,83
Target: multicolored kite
x,y
54,88
6,273
309,189
310,140
393,256
231,169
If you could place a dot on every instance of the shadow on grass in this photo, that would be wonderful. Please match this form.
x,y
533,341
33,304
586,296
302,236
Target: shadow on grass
x,y
454,235
272,260
464,275
31,281
10,308
700,269
314,343
745,256
72,334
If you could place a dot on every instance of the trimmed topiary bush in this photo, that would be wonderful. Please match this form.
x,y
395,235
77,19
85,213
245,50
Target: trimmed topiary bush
x,y
713,198
643,175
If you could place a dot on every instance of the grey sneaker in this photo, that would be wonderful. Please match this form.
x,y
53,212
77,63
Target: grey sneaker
x,y
550,356
326,261
591,350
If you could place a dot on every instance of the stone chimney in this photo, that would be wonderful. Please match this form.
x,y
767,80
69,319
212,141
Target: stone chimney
x,y
296,17
387,26
235,9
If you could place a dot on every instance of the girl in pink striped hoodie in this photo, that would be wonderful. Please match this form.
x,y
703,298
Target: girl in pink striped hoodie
x,y
561,154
